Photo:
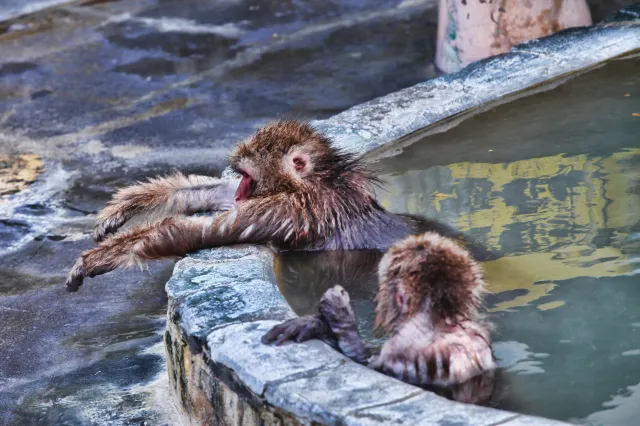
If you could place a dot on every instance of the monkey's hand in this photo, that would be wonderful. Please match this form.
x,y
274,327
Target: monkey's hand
x,y
298,330
335,309
76,276
79,271
170,239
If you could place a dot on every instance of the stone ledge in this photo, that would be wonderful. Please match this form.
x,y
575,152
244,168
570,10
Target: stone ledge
x,y
239,348
216,288
294,383
393,118
221,301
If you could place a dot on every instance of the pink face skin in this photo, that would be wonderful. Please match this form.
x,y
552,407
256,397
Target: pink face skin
x,y
244,189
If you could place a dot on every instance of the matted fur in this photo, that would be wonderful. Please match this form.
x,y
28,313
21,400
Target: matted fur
x,y
436,274
430,291
176,194
328,206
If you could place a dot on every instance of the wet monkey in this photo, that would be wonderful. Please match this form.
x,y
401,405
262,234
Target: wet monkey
x,y
428,300
296,192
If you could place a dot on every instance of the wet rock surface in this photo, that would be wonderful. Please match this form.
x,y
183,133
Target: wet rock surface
x,y
108,92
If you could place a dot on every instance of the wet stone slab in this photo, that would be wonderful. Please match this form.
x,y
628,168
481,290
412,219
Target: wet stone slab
x,y
228,286
329,396
428,409
532,421
257,365
199,76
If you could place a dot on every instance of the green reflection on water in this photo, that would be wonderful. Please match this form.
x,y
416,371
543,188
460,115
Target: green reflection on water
x,y
546,215
552,182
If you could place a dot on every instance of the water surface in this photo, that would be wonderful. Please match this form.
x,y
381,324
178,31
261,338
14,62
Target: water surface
x,y
552,184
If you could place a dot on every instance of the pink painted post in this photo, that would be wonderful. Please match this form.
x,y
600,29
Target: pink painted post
x,y
469,30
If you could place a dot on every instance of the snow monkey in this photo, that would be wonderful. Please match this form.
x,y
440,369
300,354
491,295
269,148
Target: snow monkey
x,y
429,295
296,192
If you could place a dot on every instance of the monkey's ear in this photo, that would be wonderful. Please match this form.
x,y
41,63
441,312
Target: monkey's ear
x,y
298,163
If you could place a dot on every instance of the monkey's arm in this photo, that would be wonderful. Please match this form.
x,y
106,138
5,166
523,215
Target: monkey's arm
x,y
252,221
171,237
335,325
335,309
171,195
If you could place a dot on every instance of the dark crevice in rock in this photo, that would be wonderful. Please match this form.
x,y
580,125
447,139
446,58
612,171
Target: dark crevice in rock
x,y
304,374
355,413
231,379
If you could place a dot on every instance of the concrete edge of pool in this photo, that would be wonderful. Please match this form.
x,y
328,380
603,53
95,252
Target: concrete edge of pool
x,y
221,301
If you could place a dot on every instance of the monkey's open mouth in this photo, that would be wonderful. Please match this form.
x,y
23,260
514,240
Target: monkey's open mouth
x,y
244,189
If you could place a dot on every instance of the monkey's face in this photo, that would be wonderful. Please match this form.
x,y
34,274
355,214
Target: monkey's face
x,y
282,157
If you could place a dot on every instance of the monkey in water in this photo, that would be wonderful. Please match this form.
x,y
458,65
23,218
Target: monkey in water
x,y
296,192
429,295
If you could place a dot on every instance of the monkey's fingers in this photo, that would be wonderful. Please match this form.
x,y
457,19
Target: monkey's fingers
x,y
278,333
298,330
76,276
313,328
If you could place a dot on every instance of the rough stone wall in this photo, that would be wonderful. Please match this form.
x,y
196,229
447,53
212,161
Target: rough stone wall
x,y
205,397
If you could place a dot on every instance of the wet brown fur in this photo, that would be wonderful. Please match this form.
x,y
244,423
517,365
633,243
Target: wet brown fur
x,y
437,335
430,292
328,205
437,275
176,194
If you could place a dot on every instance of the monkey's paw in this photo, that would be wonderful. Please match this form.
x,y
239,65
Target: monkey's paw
x,y
297,330
76,276
335,308
107,225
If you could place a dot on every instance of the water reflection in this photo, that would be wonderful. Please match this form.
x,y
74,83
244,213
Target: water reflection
x,y
551,183
567,227
303,277
622,408
555,217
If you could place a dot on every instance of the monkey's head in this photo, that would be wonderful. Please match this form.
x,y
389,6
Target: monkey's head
x,y
286,156
427,273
